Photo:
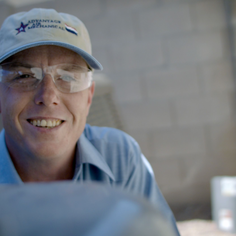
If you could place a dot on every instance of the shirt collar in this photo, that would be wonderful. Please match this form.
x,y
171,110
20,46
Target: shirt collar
x,y
8,173
87,153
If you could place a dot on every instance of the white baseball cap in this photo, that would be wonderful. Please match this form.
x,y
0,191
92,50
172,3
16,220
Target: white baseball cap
x,y
38,27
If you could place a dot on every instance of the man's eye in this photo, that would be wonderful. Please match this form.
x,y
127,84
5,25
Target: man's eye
x,y
67,78
24,76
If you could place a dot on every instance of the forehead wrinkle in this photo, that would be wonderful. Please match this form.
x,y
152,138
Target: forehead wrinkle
x,y
48,55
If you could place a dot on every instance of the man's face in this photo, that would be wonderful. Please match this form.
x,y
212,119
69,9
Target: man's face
x,y
20,109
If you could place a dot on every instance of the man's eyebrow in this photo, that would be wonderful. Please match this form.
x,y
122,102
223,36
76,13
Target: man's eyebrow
x,y
72,67
68,66
20,64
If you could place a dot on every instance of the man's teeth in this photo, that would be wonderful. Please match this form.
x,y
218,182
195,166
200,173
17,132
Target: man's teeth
x,y
46,123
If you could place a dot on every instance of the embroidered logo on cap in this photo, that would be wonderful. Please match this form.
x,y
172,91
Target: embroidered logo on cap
x,y
21,28
45,23
71,29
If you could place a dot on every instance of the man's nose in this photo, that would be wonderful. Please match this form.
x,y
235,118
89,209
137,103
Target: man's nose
x,y
46,92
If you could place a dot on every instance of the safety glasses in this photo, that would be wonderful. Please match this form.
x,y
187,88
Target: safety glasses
x,y
68,78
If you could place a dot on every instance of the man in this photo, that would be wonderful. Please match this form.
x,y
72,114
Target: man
x,y
46,91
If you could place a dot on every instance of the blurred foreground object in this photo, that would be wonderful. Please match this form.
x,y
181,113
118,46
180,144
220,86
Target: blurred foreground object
x,y
87,209
224,202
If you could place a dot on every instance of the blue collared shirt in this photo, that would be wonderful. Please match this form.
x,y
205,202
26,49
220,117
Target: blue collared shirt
x,y
106,155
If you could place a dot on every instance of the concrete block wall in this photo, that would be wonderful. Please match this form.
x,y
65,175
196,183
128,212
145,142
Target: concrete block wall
x,y
170,65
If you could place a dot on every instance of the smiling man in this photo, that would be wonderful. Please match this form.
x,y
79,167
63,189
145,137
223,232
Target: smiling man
x,y
46,90
44,110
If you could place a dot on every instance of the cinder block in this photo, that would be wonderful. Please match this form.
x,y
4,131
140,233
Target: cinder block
x,y
127,89
209,14
195,173
111,29
101,53
200,172
168,174
137,55
146,115
142,137
5,11
165,20
120,27
197,48
177,141
228,164
177,2
29,6
185,179
98,30
217,77
82,9
172,82
203,109
115,6
233,9
199,169
222,138
186,196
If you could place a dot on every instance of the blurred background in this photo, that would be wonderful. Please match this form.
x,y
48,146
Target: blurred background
x,y
169,65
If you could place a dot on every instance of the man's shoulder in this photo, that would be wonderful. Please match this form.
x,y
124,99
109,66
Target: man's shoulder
x,y
118,149
107,134
111,141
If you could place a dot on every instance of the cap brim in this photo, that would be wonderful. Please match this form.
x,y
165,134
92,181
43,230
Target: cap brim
x,y
91,61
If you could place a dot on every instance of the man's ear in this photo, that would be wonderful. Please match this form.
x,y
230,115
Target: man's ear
x,y
91,90
91,93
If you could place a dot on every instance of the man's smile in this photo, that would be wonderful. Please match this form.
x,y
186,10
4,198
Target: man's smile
x,y
49,123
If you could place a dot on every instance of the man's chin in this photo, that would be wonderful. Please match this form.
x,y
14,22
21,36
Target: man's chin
x,y
46,152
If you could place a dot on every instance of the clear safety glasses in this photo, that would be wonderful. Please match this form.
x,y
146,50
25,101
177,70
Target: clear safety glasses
x,y
68,78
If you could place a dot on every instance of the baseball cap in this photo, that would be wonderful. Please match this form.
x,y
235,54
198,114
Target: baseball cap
x,y
38,27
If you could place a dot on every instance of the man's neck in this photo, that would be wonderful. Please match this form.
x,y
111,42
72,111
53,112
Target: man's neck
x,y
42,164
45,172
37,169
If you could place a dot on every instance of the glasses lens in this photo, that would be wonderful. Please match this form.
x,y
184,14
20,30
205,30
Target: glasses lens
x,y
72,79
20,77
68,78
